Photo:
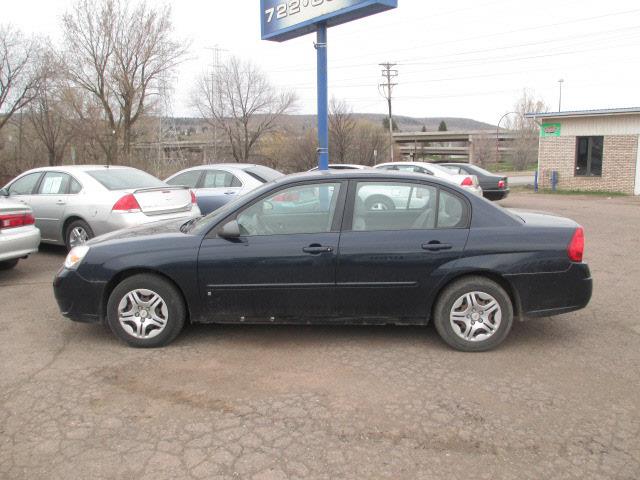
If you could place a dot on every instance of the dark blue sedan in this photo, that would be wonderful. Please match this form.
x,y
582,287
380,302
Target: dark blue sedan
x,y
313,248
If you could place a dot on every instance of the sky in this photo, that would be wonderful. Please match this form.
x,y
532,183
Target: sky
x,y
460,58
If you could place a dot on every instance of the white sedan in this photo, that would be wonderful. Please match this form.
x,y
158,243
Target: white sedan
x,y
19,236
468,182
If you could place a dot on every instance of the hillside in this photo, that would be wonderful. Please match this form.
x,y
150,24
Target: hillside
x,y
405,124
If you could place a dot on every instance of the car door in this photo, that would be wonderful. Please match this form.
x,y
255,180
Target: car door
x,y
283,265
219,182
49,204
390,260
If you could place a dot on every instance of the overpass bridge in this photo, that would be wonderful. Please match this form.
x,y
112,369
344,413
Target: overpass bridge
x,y
453,146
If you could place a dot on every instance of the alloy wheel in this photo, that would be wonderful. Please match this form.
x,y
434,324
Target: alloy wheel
x,y
475,316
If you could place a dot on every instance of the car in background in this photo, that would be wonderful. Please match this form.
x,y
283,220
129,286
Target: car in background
x,y
73,204
468,182
217,184
19,236
494,187
342,166
447,257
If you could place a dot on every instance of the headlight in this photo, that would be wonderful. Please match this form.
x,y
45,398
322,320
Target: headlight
x,y
76,255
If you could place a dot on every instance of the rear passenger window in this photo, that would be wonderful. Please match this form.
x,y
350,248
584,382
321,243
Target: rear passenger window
x,y
394,206
54,183
406,206
220,179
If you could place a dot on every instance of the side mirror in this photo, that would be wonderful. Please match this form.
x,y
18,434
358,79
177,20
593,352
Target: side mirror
x,y
230,230
4,192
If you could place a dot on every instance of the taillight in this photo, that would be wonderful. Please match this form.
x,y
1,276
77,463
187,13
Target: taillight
x,y
575,250
15,220
193,197
501,184
287,197
467,182
128,203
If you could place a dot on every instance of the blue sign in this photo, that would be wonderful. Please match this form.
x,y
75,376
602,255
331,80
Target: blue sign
x,y
286,19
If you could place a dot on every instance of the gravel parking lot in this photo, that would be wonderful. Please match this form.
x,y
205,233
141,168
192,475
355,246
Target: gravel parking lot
x,y
560,399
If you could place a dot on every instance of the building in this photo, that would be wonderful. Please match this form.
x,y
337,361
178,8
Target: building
x,y
591,150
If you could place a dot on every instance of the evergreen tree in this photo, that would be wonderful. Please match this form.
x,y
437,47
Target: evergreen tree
x,y
443,126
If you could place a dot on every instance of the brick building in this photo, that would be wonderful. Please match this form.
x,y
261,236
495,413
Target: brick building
x,y
592,150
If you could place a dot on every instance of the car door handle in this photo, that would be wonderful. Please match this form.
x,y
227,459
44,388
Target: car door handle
x,y
229,193
317,249
61,202
436,246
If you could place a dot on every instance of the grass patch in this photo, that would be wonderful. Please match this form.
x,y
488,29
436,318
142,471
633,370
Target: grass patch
x,y
548,191
508,167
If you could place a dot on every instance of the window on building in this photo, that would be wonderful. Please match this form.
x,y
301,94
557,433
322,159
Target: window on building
x,y
589,156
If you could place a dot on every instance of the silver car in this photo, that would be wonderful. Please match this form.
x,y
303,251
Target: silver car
x,y
18,235
72,204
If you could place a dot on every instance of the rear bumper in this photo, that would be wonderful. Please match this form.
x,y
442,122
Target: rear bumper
x,y
547,294
498,194
78,299
118,221
18,242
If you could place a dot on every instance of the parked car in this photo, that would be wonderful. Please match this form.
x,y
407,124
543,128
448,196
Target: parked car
x,y
73,204
218,184
494,187
18,235
468,182
446,256
342,166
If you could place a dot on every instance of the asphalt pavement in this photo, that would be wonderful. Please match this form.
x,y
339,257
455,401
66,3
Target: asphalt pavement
x,y
559,399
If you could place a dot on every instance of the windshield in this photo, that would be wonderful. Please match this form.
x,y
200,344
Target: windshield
x,y
125,179
263,174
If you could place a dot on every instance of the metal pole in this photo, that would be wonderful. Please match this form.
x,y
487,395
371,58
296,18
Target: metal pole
x,y
323,98
561,81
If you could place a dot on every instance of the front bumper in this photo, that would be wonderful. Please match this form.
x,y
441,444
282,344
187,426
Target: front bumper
x,y
19,242
547,294
79,299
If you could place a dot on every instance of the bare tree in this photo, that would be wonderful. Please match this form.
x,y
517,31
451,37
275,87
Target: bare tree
x,y
118,53
483,149
525,145
342,126
47,113
239,99
371,142
20,72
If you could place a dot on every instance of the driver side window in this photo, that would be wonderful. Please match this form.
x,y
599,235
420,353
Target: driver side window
x,y
296,210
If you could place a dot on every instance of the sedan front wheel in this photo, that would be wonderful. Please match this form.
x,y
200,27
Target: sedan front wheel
x,y
146,311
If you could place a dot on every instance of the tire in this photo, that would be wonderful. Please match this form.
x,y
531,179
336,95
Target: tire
x,y
379,202
77,233
466,317
144,325
9,264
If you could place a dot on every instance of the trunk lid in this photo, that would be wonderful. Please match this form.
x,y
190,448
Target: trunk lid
x,y
163,200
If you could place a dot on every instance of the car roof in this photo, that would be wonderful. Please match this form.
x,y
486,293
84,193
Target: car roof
x,y
366,174
212,166
80,168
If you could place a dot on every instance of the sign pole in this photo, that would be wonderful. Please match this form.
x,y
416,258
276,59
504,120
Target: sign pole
x,y
323,98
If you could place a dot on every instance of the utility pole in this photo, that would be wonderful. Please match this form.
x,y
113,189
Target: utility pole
x,y
215,71
389,74
560,82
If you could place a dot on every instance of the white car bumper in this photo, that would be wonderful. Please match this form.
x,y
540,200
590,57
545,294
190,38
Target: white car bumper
x,y
18,242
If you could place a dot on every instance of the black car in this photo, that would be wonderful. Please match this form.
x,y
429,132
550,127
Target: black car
x,y
309,249
494,187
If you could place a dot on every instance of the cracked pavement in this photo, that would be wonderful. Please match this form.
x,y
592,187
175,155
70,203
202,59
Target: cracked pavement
x,y
560,399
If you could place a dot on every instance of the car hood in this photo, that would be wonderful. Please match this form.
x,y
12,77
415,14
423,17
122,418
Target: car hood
x,y
543,219
163,228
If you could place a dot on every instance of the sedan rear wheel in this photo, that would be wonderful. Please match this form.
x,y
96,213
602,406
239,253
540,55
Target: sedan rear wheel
x,y
146,311
77,233
473,314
